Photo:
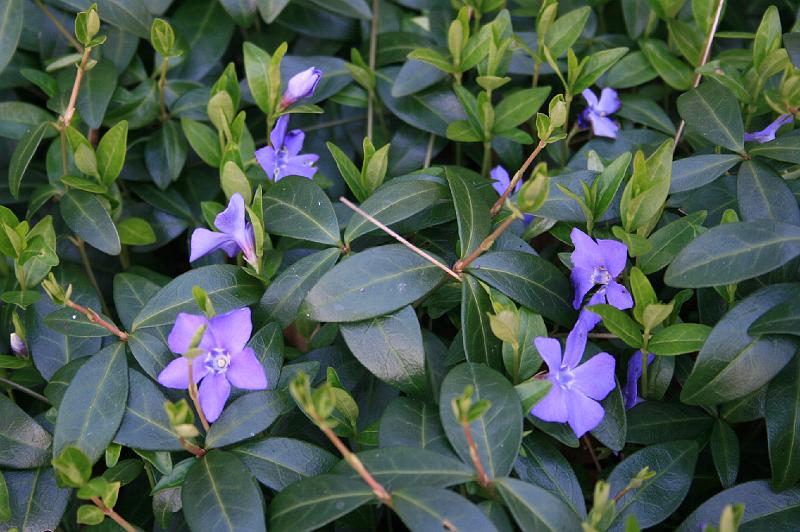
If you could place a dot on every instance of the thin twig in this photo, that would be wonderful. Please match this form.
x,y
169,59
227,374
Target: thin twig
x,y
400,239
483,478
588,444
24,390
60,27
113,515
195,398
73,97
373,54
517,176
199,452
483,246
94,317
706,53
87,266
429,151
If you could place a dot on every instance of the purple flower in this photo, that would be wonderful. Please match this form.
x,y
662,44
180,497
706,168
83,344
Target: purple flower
x,y
768,133
501,180
631,390
301,86
283,157
225,360
235,234
596,112
576,389
18,346
598,263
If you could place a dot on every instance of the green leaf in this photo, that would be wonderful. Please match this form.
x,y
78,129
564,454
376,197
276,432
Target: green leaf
x,y
786,148
135,232
694,172
129,15
390,347
298,208
612,430
782,319
725,452
518,107
227,286
646,112
11,24
434,58
349,172
314,502
23,153
480,343
679,339
425,508
203,140
71,323
472,211
535,508
410,422
219,493
284,295
529,280
93,406
280,462
764,508
563,33
111,152
5,503
131,293
763,195
596,65
676,73
768,36
270,9
17,118
23,442
247,415
498,433
256,67
409,467
619,324
37,503
673,464
348,8
712,112
734,252
631,71
732,363
540,463
372,283
667,241
783,425
165,154
85,215
394,201
658,421
97,87
145,424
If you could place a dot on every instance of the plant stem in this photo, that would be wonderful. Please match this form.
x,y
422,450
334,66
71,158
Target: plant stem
x,y
87,265
23,389
703,60
400,239
195,398
429,151
644,373
162,89
60,27
73,97
94,317
484,246
487,158
199,452
589,447
537,67
113,515
379,491
517,176
483,478
373,53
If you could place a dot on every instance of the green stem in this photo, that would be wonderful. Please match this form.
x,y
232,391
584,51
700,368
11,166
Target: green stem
x,y
373,54
487,158
162,89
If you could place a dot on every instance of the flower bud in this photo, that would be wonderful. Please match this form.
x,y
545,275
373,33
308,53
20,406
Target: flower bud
x,y
18,346
301,86
558,111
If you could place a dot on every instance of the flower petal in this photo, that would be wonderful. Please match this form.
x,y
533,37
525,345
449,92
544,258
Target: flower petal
x,y
246,372
581,282
214,391
294,142
231,220
584,414
205,242
266,158
589,96
302,170
231,331
182,333
550,351
301,85
603,126
595,377
615,255
575,345
589,318
618,296
631,390
609,101
278,134
176,374
500,179
553,406
587,254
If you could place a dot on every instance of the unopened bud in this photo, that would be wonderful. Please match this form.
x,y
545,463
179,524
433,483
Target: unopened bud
x,y
18,346
301,86
534,193
558,111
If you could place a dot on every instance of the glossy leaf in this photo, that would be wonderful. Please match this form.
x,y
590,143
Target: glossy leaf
x,y
765,196
297,207
712,112
316,501
37,503
145,424
425,508
535,508
472,212
85,215
725,452
413,423
23,153
783,425
245,417
480,343
280,462
24,443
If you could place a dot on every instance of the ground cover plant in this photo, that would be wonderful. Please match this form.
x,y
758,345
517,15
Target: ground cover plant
x,y
399,264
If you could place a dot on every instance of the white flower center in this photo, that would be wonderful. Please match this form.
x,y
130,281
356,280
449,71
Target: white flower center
x,y
218,360
600,275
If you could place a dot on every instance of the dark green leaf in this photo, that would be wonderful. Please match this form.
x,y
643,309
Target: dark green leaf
x,y
694,172
279,462
480,343
667,241
347,8
85,215
472,211
219,493
96,89
619,323
93,406
785,149
498,433
316,501
725,452
783,426
763,194
203,140
408,467
712,112
612,431
298,208
245,417
413,423
518,107
37,503
72,323
165,154
782,319
535,508
131,293
129,15
23,153
267,343
145,424
656,421
23,442
11,23
632,70
425,508
647,113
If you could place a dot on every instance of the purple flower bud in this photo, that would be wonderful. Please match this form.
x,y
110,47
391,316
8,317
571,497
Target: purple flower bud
x,y
18,346
235,234
301,86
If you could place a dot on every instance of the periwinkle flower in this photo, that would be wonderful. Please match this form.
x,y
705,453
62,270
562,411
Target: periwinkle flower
x,y
597,112
577,388
17,345
598,263
631,390
282,158
301,86
225,359
234,234
768,133
501,180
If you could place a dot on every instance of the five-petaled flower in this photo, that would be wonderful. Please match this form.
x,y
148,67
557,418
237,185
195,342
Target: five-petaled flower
x,y
768,133
234,234
501,180
225,360
282,158
597,112
598,263
577,388
301,86
631,390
